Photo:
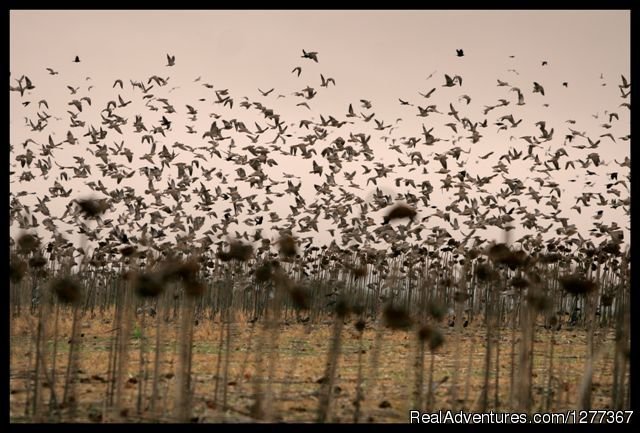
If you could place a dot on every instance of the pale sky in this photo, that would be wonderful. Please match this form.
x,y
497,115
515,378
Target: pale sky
x,y
378,56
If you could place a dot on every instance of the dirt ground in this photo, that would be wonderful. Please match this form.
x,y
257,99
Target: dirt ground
x,y
299,361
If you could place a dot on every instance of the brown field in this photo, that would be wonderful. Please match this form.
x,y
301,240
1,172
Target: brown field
x,y
299,361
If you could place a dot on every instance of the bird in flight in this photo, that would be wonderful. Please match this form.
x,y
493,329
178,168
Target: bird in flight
x,y
429,93
325,82
76,60
459,52
310,55
171,60
52,72
450,82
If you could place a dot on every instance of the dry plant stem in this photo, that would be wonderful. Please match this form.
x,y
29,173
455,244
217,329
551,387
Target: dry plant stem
x,y
484,396
359,395
27,379
430,390
326,389
584,390
257,410
53,401
219,361
165,394
37,388
585,395
526,359
616,377
162,310
245,359
456,359
39,415
111,371
227,359
69,396
184,363
496,389
625,343
114,350
141,375
269,409
228,288
550,351
124,328
467,386
419,373
512,375
373,367
619,361
288,375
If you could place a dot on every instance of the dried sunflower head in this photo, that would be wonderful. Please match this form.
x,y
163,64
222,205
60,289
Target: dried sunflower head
x,y
148,285
612,248
607,299
67,289
343,307
288,246
359,271
239,251
92,208
484,273
399,211
396,317
424,333
37,261
128,251
473,254
188,270
498,252
549,258
28,243
301,297
263,272
194,287
436,339
519,282
460,297
17,269
436,309
432,336
538,301
577,284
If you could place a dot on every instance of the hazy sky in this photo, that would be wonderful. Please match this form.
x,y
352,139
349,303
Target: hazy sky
x,y
378,56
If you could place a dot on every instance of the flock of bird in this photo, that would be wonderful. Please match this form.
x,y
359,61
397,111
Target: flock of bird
x,y
229,179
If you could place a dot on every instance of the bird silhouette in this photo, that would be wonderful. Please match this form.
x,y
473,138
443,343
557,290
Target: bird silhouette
x,y
310,55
